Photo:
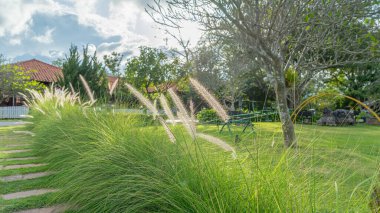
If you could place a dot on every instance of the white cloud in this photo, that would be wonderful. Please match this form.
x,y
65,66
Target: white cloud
x,y
121,20
16,15
91,48
122,24
15,41
56,54
46,38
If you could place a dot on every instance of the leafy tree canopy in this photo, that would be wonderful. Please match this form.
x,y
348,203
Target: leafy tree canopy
x,y
15,79
89,67
153,68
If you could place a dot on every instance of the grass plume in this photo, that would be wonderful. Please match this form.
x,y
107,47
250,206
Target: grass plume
x,y
153,109
57,97
182,113
165,106
210,99
214,140
72,88
113,86
192,110
87,88
155,114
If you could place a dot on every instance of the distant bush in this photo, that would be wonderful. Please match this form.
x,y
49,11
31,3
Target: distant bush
x,y
142,119
207,116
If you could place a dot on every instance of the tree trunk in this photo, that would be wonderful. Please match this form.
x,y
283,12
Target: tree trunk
x,y
232,106
241,104
283,110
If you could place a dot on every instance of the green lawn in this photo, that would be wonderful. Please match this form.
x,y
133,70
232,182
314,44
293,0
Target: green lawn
x,y
348,156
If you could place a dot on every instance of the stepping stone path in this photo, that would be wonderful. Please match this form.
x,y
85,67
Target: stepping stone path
x,y
22,166
19,159
18,195
53,209
25,177
15,145
15,151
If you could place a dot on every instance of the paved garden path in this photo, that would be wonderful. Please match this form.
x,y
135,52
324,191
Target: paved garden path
x,y
11,123
16,158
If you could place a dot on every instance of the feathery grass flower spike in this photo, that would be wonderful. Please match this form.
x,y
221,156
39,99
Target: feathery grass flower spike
x,y
153,109
165,106
210,99
214,140
113,86
183,114
72,88
88,89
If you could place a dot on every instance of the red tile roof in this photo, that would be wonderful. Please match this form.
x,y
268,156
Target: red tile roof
x,y
44,72
111,80
162,87
48,73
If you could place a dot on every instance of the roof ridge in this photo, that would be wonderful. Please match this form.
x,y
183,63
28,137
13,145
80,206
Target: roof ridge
x,y
43,63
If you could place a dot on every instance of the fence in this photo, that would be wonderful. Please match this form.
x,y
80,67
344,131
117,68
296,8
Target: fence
x,y
136,111
13,111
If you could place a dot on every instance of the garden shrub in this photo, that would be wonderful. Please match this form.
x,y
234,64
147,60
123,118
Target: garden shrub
x,y
208,116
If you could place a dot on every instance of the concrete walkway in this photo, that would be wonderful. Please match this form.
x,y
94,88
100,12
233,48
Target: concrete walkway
x,y
24,176
11,123
18,195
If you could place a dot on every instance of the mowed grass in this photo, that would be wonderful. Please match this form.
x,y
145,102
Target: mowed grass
x,y
345,159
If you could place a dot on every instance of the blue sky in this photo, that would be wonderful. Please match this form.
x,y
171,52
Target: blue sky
x,y
45,29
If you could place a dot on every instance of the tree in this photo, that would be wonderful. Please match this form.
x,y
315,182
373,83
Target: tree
x,y
359,82
89,67
222,68
15,79
153,69
112,63
58,62
280,34
206,67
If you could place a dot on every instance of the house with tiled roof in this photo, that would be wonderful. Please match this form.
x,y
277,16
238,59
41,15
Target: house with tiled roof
x,y
46,73
39,71
43,72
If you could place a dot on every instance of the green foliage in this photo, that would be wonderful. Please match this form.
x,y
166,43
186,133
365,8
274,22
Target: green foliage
x,y
207,116
112,62
90,68
360,82
58,62
153,69
15,79
291,77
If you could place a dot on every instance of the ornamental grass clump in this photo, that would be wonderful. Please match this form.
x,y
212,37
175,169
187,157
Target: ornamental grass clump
x,y
106,162
51,99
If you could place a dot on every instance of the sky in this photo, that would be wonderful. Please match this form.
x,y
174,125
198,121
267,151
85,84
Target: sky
x,y
45,29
